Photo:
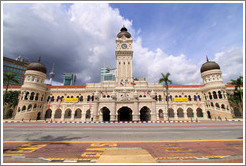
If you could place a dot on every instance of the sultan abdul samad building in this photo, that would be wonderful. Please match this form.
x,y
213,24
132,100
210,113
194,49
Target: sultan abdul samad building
x,y
123,99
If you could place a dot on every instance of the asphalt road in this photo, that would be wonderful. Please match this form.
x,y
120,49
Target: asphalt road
x,y
122,132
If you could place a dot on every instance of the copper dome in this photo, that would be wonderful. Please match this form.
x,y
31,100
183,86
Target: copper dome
x,y
37,66
123,31
209,65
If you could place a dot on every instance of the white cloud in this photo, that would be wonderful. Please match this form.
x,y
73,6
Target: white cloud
x,y
82,39
151,64
231,63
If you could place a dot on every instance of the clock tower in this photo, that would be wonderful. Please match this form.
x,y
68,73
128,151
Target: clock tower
x,y
124,56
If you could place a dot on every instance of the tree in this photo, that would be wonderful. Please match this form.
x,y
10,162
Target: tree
x,y
166,81
11,101
7,78
239,83
236,98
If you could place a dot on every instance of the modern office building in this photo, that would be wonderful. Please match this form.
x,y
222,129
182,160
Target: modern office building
x,y
69,79
124,99
18,67
108,74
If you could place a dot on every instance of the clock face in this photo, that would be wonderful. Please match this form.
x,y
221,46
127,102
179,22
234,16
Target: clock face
x,y
124,46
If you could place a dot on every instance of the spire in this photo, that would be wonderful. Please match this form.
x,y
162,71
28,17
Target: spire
x,y
52,74
53,67
39,59
207,58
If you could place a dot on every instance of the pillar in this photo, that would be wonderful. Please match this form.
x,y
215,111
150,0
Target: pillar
x,y
113,113
153,112
52,115
72,115
136,112
62,115
83,116
95,112
185,114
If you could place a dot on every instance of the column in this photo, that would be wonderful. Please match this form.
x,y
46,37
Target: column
x,y
72,115
175,114
62,115
95,113
112,113
153,112
185,114
136,112
83,116
195,113
52,115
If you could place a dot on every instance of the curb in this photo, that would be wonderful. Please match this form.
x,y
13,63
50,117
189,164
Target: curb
x,y
117,122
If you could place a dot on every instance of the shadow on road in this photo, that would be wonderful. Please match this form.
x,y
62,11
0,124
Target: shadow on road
x,y
61,138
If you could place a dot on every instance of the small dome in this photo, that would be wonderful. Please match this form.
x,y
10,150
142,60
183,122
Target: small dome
x,y
209,65
37,66
123,31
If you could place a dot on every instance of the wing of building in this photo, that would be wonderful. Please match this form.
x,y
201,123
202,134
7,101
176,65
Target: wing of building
x,y
123,98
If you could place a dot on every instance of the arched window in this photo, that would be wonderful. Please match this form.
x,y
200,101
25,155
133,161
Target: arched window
x,y
194,97
24,108
32,96
35,106
140,95
26,96
210,95
160,98
223,106
57,98
189,98
108,96
53,99
212,104
36,98
215,95
29,107
220,95
217,105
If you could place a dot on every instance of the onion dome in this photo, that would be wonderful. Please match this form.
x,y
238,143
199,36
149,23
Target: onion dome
x,y
37,66
209,65
123,32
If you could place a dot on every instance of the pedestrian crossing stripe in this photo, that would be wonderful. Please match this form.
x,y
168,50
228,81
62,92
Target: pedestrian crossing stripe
x,y
73,159
188,157
13,154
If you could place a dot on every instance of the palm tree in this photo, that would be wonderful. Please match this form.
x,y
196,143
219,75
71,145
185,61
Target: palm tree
x,y
9,77
166,81
239,83
11,101
236,99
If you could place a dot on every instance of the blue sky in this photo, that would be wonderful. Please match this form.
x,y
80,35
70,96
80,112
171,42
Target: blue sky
x,y
168,37
193,29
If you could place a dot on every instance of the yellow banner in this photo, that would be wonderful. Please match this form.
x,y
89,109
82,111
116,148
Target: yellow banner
x,y
180,99
70,100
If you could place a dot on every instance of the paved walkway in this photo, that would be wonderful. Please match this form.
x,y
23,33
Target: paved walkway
x,y
202,151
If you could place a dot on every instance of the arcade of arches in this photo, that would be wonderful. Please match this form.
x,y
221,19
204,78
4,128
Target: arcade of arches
x,y
123,114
